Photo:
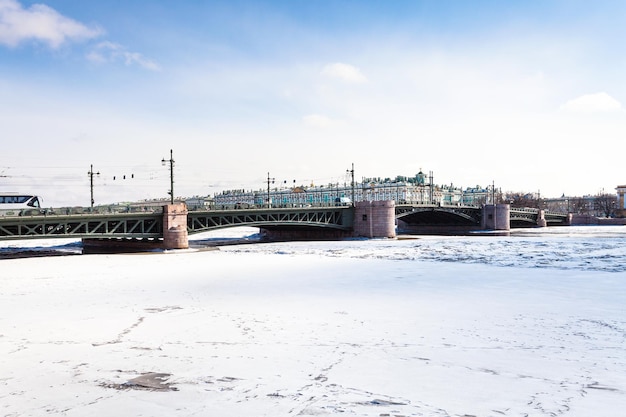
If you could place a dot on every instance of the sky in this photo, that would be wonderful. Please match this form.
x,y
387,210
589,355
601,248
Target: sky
x,y
527,95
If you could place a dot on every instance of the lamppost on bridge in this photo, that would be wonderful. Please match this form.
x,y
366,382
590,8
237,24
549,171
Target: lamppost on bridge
x,y
431,187
351,172
269,200
91,174
290,195
171,162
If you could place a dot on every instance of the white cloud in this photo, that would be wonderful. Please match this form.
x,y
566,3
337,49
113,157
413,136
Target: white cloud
x,y
106,52
39,23
44,24
344,72
593,103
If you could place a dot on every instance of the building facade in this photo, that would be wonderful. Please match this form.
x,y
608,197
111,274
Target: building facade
x,y
417,190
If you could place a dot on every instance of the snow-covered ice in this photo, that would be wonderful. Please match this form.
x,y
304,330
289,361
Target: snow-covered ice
x,y
528,325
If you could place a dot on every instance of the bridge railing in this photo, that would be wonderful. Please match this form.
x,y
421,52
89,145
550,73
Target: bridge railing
x,y
525,210
68,211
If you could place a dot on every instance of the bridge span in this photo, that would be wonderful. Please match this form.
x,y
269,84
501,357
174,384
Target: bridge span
x,y
456,218
173,221
171,227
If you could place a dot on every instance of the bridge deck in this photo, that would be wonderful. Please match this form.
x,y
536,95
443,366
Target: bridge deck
x,y
150,225
326,217
133,225
467,215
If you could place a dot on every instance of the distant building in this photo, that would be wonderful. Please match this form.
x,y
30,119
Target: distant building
x,y
199,203
402,190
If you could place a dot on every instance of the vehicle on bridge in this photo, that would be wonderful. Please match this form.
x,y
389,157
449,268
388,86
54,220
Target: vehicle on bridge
x,y
342,201
14,204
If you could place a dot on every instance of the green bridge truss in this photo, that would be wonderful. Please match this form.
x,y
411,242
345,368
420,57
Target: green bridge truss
x,y
150,225
431,214
326,217
139,225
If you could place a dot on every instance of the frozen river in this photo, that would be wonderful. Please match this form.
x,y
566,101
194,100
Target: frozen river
x,y
533,324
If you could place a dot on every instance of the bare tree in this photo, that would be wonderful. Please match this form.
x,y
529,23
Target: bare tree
x,y
521,199
605,204
579,205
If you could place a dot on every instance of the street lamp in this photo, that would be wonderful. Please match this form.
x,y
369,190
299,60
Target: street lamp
x,y
269,201
431,187
289,196
91,174
351,172
171,162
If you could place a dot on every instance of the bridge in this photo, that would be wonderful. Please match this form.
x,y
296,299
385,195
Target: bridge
x,y
457,217
335,218
151,225
173,224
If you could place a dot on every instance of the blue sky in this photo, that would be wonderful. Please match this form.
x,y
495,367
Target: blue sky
x,y
526,94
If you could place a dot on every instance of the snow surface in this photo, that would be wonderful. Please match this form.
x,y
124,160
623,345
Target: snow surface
x,y
528,325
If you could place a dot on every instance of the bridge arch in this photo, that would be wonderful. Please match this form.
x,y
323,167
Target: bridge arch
x,y
440,216
521,222
327,218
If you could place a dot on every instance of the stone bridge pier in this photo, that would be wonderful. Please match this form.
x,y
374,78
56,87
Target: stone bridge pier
x,y
496,217
541,218
175,234
375,219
